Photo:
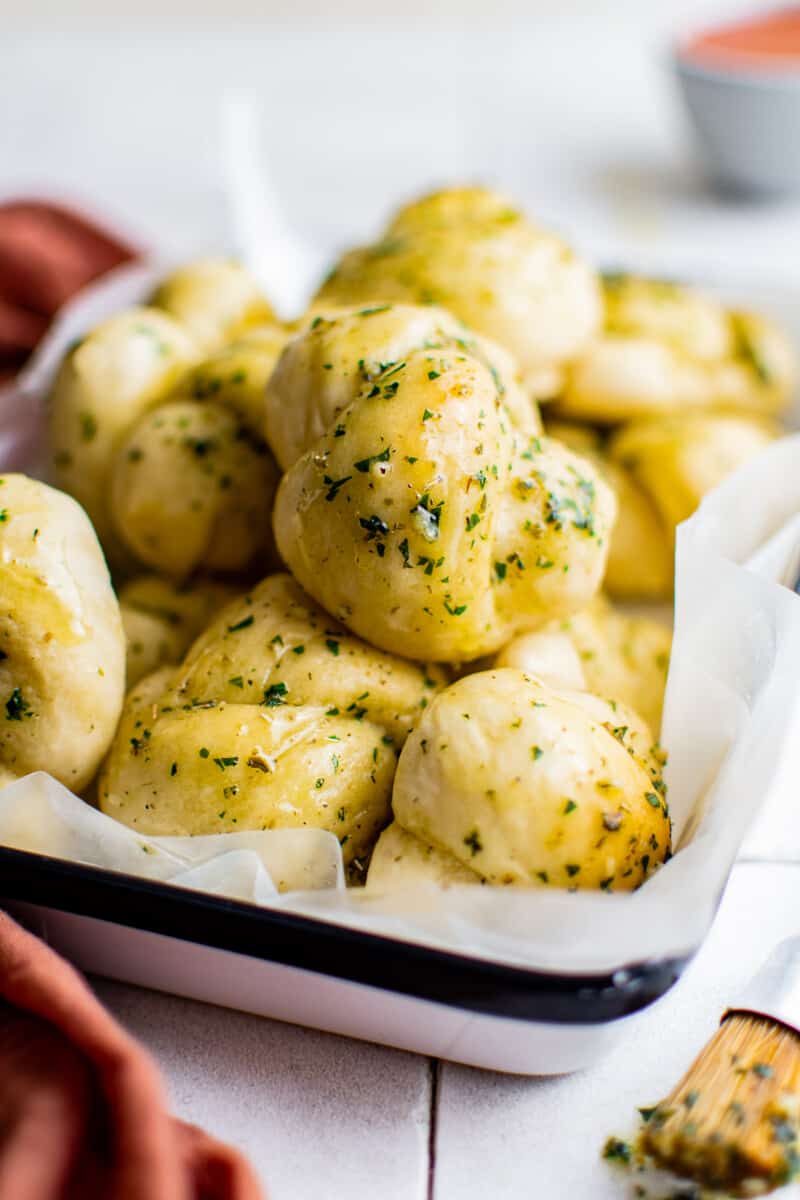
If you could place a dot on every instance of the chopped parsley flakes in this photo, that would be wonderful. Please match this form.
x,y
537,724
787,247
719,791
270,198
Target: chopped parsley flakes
x,y
17,706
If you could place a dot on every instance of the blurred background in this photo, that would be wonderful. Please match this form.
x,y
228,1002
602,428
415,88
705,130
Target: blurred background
x,y
571,105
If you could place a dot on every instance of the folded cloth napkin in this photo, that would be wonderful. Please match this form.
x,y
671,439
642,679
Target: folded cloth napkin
x,y
47,253
82,1108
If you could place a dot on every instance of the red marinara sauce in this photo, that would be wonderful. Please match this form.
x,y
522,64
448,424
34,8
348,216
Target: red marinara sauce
x,y
770,42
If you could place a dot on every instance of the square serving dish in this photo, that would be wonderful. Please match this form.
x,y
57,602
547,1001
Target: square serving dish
x,y
530,1011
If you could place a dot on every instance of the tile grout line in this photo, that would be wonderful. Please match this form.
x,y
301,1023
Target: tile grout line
x,y
435,1070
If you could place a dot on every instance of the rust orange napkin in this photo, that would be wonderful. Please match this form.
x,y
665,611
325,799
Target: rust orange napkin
x,y
82,1108
47,253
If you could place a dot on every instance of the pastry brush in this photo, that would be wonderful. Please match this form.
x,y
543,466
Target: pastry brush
x,y
732,1121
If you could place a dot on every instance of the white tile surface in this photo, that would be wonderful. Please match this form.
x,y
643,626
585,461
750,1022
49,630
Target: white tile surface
x,y
515,1138
319,1112
318,1116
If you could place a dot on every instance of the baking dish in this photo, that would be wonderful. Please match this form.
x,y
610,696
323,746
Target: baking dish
x,y
526,995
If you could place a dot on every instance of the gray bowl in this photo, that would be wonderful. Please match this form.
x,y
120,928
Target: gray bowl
x,y
747,125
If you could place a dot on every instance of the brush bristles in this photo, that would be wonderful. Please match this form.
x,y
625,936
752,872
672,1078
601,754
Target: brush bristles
x,y
732,1121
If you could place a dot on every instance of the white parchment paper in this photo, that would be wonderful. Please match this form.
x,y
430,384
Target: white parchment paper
x,y
37,813
731,726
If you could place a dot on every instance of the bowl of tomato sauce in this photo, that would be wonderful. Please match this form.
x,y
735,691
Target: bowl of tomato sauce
x,y
741,85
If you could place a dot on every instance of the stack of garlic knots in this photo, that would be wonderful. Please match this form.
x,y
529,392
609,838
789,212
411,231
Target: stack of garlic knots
x,y
364,560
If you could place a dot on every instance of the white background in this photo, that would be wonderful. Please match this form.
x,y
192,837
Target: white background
x,y
572,106
474,14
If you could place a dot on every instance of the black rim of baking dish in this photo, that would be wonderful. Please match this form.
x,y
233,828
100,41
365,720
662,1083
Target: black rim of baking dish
x,y
423,972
